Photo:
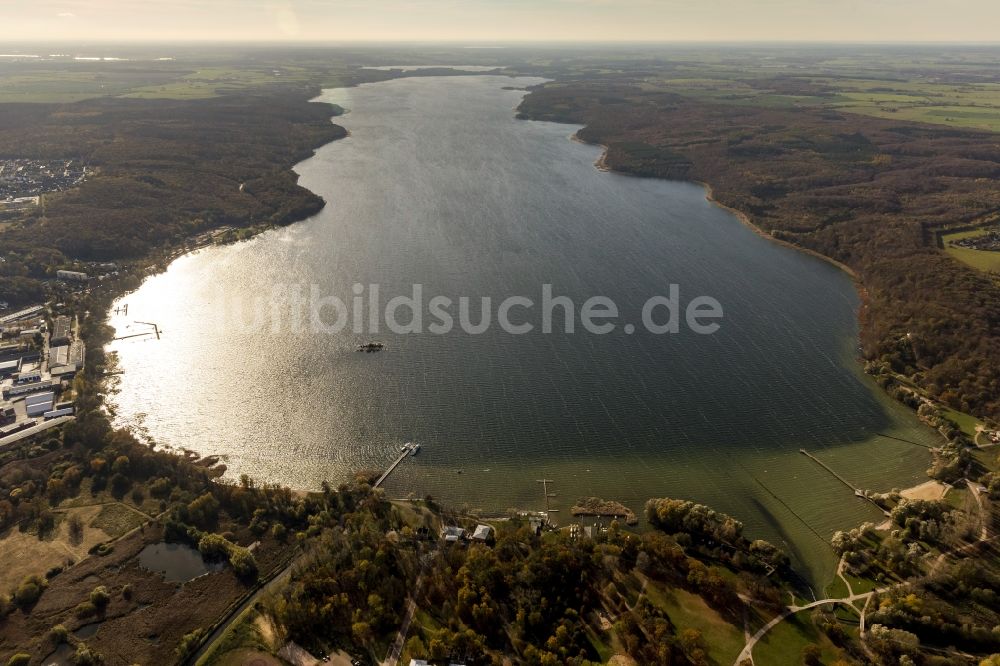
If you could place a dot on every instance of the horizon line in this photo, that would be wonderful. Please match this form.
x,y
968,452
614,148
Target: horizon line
x,y
497,42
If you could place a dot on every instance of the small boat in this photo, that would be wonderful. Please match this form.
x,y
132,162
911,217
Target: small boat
x,y
414,449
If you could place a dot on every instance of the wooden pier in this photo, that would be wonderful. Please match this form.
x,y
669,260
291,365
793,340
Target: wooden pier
x,y
857,491
407,449
156,331
908,441
545,491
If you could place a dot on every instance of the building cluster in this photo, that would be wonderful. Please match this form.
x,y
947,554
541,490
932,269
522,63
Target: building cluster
x,y
987,241
32,381
71,276
23,180
23,324
66,351
455,534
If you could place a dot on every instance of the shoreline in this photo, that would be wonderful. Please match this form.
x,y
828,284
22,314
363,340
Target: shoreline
x,y
601,164
745,219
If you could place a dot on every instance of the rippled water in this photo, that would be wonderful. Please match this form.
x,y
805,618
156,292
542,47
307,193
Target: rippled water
x,y
439,184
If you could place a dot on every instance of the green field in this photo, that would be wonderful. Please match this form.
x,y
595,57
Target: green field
x,y
689,611
967,424
914,89
983,260
785,642
72,81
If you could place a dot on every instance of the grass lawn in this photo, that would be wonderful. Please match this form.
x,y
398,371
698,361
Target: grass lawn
x,y
979,259
956,497
605,650
983,260
784,643
687,610
988,458
241,639
836,589
967,424
24,554
860,585
116,519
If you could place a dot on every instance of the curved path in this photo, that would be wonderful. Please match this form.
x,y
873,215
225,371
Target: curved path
x,y
792,610
983,537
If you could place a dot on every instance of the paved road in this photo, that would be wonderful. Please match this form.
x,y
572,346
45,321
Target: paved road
x,y
983,537
34,430
270,586
792,610
396,649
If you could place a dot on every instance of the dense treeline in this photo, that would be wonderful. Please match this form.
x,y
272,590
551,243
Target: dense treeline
x,y
864,191
161,171
531,596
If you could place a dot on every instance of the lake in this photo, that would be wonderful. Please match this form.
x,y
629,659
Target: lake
x,y
439,184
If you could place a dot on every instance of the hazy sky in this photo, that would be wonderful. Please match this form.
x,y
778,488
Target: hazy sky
x,y
503,20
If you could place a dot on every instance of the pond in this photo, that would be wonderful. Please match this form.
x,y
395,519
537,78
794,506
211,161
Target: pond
x,y
177,562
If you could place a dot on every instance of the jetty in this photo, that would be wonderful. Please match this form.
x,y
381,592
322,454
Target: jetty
x,y
908,441
857,491
156,331
408,449
545,492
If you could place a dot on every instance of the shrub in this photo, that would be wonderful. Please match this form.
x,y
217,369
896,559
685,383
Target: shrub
x,y
214,547
100,597
160,488
59,633
85,609
29,591
119,485
189,644
243,562
19,659
204,511
86,657
75,525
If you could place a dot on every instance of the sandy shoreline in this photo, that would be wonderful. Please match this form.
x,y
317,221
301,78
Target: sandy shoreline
x,y
929,490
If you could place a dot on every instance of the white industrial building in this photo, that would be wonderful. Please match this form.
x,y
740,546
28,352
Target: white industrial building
x,y
39,403
74,276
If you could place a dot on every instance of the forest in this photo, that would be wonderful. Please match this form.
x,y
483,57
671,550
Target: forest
x,y
163,171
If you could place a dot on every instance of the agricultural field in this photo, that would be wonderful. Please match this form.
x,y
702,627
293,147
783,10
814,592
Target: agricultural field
x,y
962,92
67,81
984,260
